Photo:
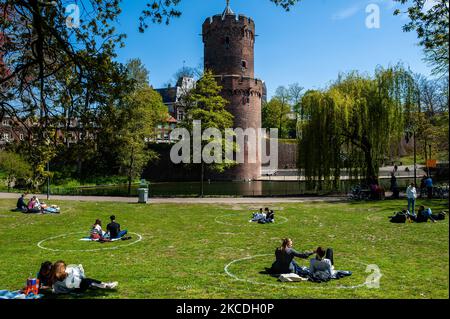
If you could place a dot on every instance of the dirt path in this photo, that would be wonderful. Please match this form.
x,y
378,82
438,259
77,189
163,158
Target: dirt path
x,y
188,200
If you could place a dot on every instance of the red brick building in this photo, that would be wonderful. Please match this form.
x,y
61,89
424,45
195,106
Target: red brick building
x,y
229,41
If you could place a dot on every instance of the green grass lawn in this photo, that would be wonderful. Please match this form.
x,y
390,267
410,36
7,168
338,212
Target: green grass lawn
x,y
184,249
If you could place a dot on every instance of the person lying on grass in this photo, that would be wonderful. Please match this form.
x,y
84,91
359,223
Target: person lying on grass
x,y
71,279
284,258
425,214
113,229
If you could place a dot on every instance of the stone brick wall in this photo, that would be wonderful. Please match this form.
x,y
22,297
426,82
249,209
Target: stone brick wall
x,y
227,43
229,54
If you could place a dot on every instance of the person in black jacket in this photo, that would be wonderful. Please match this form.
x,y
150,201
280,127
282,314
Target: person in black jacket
x,y
21,205
284,255
113,228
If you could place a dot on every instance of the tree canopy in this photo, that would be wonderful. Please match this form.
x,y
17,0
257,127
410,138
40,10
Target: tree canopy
x,y
352,124
204,103
430,20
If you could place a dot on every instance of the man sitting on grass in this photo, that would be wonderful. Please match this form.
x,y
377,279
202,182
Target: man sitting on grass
x,y
21,205
113,229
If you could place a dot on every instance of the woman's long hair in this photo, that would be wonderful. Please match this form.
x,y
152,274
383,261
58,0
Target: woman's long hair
x,y
58,272
285,243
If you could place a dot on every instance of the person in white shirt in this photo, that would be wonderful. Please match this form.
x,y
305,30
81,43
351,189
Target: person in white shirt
x,y
411,195
258,216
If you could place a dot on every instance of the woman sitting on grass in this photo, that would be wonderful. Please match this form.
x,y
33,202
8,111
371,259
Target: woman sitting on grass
x,y
97,231
66,279
284,258
34,206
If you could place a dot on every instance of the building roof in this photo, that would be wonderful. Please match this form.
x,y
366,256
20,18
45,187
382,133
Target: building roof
x,y
171,119
227,10
169,95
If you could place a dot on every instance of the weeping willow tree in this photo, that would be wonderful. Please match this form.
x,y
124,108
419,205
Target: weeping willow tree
x,y
350,126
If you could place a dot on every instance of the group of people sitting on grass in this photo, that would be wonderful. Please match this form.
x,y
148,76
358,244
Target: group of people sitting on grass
x,y
262,217
112,232
422,216
34,206
60,278
321,266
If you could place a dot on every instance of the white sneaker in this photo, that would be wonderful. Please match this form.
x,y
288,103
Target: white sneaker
x,y
111,285
101,285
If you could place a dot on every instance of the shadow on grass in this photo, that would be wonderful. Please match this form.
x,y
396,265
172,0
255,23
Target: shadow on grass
x,y
267,271
89,294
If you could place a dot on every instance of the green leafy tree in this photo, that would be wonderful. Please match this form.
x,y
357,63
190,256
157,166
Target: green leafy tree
x,y
139,115
204,103
430,19
352,124
275,115
137,72
14,167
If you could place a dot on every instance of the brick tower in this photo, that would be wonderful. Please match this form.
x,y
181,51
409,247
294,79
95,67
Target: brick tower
x,y
229,53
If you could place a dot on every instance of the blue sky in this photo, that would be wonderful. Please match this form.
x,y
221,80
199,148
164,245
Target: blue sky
x,y
310,45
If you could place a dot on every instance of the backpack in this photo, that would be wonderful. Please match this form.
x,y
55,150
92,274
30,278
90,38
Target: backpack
x,y
441,216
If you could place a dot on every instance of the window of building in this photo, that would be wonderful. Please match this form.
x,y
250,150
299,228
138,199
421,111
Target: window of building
x,y
244,64
6,137
227,42
21,137
5,122
180,115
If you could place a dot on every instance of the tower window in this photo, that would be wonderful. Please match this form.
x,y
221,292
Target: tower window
x,y
244,64
227,42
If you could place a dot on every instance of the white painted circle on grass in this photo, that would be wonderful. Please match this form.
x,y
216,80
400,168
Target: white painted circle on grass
x,y
40,244
217,220
280,285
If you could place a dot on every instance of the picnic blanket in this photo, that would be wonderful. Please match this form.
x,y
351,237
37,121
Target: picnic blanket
x,y
7,294
52,210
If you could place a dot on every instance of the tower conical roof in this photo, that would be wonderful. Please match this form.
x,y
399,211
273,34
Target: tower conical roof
x,y
227,10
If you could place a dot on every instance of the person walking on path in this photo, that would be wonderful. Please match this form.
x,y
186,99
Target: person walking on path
x,y
394,186
429,186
